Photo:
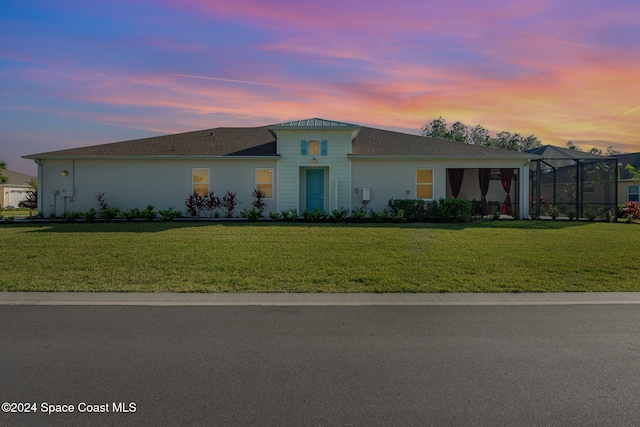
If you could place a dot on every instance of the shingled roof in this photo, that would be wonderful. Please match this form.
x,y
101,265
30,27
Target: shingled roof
x,y
372,142
218,142
261,142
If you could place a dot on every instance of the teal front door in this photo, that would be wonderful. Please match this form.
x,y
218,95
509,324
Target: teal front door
x,y
315,190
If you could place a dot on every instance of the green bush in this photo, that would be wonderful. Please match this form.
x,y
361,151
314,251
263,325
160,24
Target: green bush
x,y
73,216
414,209
148,213
274,216
378,216
252,215
454,210
130,214
90,215
338,215
168,214
358,215
109,214
398,216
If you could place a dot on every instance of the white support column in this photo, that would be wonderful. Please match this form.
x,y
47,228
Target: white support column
x,y
524,191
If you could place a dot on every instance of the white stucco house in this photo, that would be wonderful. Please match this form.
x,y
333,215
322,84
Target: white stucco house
x,y
305,164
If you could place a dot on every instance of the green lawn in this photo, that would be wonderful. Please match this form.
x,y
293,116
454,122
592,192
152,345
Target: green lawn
x,y
487,256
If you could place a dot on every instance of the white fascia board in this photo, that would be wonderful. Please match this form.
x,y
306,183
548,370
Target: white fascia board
x,y
528,158
36,157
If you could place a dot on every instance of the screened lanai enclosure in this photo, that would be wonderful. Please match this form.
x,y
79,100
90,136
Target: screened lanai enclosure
x,y
573,184
490,190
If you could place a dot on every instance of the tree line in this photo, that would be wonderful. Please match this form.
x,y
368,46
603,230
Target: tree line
x,y
478,135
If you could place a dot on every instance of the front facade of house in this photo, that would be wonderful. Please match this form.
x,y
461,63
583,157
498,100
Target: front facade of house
x,y
304,165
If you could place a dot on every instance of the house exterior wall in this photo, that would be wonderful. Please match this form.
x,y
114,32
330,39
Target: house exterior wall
x,y
137,183
292,163
623,190
396,178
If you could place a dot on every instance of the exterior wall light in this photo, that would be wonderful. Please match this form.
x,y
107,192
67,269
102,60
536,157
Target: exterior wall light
x,y
314,161
64,173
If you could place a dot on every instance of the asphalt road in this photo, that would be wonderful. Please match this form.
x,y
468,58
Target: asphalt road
x,y
556,365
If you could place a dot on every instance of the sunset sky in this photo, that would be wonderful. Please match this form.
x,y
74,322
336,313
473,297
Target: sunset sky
x,y
78,72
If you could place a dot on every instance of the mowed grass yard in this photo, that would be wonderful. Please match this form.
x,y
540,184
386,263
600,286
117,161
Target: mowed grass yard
x,y
487,256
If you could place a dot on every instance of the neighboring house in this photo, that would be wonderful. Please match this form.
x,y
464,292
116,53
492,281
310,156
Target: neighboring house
x,y
573,181
628,189
301,165
15,190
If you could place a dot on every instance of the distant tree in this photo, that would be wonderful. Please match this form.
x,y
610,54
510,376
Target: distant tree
x,y
3,178
436,129
571,146
612,152
479,136
609,152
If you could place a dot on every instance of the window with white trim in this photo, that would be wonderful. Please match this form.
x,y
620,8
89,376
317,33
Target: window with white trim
x,y
200,181
264,182
634,193
424,183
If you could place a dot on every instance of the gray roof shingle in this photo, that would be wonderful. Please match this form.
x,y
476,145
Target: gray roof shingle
x,y
261,141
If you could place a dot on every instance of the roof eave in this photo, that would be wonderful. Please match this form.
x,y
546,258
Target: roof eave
x,y
98,157
529,157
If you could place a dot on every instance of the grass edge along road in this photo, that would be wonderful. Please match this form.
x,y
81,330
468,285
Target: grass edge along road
x,y
484,256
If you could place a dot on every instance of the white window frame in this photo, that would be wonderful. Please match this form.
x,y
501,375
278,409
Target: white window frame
x,y
193,183
415,179
636,193
260,182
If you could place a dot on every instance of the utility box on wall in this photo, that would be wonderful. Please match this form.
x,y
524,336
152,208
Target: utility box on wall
x,y
366,194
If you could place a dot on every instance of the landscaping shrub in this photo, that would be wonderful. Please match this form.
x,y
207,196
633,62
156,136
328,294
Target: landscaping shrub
x,y
631,211
148,213
358,215
109,214
90,215
252,215
211,204
314,215
229,203
339,215
258,203
168,214
398,216
130,214
73,216
454,210
414,209
378,216
274,216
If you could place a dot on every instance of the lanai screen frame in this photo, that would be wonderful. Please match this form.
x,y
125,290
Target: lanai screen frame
x,y
588,187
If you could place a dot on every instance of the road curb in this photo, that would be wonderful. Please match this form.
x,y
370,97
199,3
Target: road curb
x,y
317,299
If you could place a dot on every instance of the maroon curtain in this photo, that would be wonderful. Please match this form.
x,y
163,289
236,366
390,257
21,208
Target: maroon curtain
x,y
484,175
455,180
506,176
